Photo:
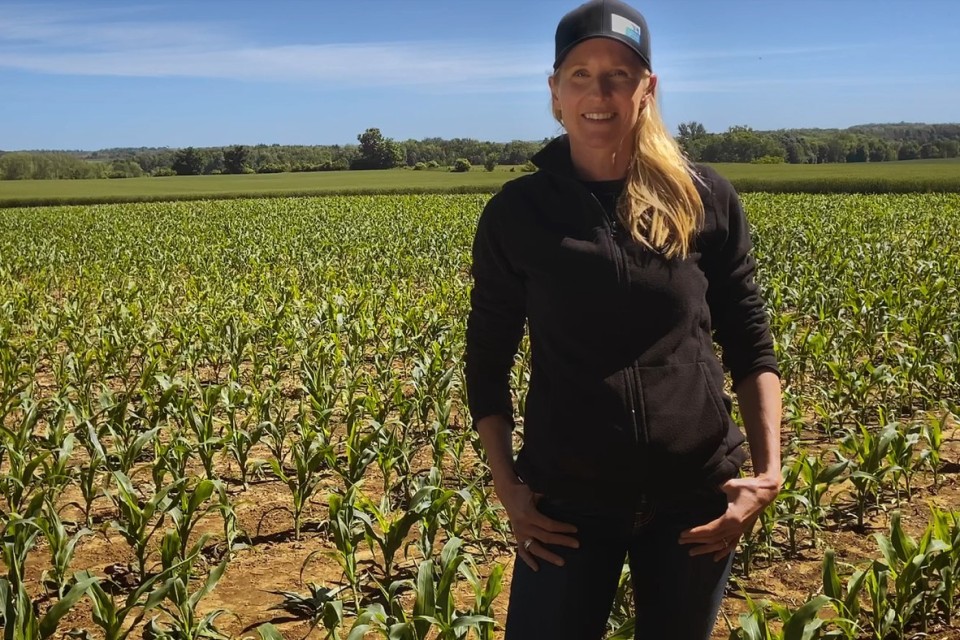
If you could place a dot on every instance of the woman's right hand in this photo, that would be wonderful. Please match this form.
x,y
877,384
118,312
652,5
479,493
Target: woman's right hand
x,y
529,524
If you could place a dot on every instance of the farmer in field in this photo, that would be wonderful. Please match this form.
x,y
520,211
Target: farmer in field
x,y
626,261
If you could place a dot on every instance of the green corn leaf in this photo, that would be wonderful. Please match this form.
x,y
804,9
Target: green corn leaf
x,y
210,583
48,625
804,623
425,604
201,494
831,581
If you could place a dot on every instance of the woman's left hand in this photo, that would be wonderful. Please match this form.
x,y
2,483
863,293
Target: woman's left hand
x,y
746,499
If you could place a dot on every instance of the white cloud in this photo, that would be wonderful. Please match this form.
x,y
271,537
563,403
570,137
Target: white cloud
x,y
98,43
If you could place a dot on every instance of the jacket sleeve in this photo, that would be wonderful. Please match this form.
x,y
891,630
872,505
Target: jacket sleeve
x,y
737,311
496,321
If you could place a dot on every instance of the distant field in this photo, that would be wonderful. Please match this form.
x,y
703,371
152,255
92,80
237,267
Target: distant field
x,y
906,169
906,176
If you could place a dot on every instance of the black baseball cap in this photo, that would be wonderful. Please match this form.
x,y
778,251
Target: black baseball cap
x,y
603,19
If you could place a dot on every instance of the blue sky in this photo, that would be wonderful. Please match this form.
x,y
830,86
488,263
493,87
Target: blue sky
x,y
98,74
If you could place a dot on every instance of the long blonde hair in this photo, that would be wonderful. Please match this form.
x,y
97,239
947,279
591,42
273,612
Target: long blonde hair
x,y
660,205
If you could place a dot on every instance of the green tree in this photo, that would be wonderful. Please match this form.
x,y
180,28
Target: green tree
x,y
378,152
490,163
124,169
691,136
909,151
188,162
235,159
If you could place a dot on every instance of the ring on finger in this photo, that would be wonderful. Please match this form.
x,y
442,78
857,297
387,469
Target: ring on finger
x,y
725,543
527,543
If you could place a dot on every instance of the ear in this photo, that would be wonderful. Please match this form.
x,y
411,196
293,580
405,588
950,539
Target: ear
x,y
651,93
554,96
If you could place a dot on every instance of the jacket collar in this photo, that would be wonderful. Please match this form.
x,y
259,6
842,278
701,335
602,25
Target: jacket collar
x,y
555,157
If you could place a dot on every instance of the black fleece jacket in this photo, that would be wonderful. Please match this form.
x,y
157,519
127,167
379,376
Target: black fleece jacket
x,y
626,399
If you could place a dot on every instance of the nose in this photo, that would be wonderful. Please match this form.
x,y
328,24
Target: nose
x,y
601,85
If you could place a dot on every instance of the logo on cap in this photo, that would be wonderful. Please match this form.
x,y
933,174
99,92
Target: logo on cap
x,y
619,24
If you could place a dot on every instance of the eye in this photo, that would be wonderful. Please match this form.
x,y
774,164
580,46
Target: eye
x,y
580,73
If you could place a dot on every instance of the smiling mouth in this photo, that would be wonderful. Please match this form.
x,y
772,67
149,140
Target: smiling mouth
x,y
599,117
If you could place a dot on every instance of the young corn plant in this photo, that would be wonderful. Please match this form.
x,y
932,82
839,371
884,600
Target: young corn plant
x,y
118,621
393,459
945,526
17,611
190,506
91,479
241,434
19,537
817,478
200,419
882,615
57,472
128,440
793,507
310,456
801,624
235,537
482,510
322,606
913,567
360,445
183,620
759,541
172,459
19,617
140,519
846,601
435,605
622,621
347,529
61,544
23,480
901,459
866,454
932,432
432,518
276,431
484,594
387,529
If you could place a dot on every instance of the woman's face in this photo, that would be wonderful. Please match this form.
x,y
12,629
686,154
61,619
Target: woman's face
x,y
599,91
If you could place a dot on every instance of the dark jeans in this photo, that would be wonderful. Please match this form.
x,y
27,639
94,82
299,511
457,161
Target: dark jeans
x,y
677,597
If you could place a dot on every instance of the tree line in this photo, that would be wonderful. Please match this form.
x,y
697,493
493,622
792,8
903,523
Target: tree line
x,y
862,143
373,151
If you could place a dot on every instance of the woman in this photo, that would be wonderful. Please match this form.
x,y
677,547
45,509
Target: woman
x,y
626,261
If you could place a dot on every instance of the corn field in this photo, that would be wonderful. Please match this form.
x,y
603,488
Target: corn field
x,y
247,419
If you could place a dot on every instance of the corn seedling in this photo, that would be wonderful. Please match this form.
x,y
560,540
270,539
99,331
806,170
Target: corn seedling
x,y
387,529
118,621
320,607
310,456
62,545
140,519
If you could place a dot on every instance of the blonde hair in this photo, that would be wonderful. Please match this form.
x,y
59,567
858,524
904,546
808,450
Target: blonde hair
x,y
660,205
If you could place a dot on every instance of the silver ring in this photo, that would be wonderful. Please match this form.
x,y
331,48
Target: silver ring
x,y
725,543
527,543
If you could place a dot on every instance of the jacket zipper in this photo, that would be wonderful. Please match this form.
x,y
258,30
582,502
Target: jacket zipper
x,y
623,278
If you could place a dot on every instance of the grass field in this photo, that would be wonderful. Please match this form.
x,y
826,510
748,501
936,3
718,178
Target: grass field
x,y
907,176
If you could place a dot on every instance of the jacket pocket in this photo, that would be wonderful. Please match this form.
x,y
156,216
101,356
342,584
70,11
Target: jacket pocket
x,y
684,419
